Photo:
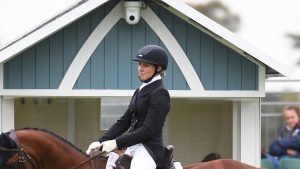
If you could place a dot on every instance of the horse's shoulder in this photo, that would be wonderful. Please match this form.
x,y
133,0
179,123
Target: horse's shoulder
x,y
235,164
220,164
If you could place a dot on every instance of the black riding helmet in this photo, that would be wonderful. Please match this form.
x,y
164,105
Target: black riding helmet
x,y
153,54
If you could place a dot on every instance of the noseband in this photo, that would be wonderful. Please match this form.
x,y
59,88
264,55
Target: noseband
x,y
23,157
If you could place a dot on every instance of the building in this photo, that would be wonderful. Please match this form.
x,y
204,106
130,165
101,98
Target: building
x,y
73,74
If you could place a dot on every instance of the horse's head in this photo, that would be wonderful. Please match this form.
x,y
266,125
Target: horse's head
x,y
7,148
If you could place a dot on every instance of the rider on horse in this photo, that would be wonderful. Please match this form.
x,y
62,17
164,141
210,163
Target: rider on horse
x,y
145,116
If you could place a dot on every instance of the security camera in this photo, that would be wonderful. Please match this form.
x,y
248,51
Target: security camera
x,y
132,11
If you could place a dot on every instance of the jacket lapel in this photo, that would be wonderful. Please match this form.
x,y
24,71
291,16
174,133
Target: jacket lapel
x,y
147,89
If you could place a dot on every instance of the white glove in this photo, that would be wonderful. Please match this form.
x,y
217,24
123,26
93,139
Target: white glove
x,y
93,147
109,145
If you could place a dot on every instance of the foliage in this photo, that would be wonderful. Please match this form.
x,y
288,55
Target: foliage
x,y
296,40
218,12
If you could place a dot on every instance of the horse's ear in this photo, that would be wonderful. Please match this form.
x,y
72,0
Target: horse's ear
x,y
5,136
2,138
8,141
2,135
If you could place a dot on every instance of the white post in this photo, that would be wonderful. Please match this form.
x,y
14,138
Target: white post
x,y
246,131
236,129
1,115
1,98
250,131
7,114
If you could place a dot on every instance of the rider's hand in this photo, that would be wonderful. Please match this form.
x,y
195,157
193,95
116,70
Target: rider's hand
x,y
291,152
109,145
93,147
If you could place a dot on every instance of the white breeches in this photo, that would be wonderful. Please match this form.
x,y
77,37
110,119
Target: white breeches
x,y
140,157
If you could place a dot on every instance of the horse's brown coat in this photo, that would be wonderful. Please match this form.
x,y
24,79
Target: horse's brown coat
x,y
220,164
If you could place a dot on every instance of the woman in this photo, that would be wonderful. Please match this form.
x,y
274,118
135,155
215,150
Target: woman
x,y
145,115
287,144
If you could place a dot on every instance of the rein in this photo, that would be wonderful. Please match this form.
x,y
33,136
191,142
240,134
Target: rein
x,y
9,150
89,159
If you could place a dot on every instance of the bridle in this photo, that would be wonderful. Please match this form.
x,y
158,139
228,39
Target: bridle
x,y
24,157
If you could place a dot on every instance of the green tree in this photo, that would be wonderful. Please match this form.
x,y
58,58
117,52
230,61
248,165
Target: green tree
x,y
220,13
296,40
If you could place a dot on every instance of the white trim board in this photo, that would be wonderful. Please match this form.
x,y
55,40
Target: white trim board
x,y
128,93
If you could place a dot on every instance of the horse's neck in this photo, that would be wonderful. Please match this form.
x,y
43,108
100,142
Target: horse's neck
x,y
49,151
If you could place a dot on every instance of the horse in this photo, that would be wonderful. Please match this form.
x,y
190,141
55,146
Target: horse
x,y
32,148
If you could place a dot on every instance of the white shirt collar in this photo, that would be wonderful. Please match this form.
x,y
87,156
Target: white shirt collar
x,y
155,78
288,128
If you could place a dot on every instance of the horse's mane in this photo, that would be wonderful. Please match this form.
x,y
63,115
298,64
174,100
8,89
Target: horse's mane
x,y
55,135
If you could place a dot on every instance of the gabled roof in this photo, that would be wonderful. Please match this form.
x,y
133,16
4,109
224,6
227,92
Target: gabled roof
x,y
189,14
49,27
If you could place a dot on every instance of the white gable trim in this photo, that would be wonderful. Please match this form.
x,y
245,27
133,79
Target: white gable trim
x,y
107,24
229,37
48,29
174,48
90,46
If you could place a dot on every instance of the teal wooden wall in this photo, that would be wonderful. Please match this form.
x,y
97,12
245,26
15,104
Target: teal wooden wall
x,y
43,65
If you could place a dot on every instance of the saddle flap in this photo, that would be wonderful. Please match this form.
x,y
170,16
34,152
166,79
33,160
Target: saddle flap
x,y
123,162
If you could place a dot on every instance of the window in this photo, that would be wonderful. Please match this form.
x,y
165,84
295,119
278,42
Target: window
x,y
112,108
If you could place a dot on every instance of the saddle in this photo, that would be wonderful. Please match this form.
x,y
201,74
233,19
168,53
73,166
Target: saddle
x,y
124,160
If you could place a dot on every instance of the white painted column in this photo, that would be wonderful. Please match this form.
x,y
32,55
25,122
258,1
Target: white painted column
x,y
1,115
71,120
7,114
236,130
1,87
246,131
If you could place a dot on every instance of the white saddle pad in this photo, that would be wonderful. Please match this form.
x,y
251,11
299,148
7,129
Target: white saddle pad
x,y
178,165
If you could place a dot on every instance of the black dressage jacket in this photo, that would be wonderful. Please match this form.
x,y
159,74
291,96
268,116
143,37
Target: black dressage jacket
x,y
145,119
